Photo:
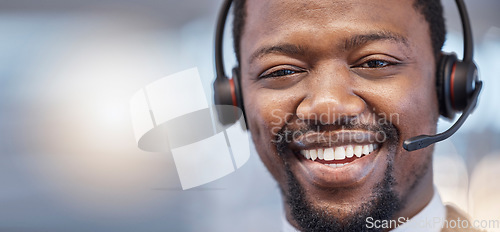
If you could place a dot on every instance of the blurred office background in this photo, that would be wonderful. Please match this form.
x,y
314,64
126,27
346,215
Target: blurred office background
x,y
68,157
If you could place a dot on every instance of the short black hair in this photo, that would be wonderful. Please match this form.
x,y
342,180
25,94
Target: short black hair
x,y
432,10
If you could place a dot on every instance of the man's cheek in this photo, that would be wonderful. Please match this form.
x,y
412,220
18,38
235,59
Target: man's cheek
x,y
265,125
275,118
271,111
416,110
418,116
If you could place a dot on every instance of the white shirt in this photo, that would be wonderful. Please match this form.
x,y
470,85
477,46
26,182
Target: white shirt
x,y
430,219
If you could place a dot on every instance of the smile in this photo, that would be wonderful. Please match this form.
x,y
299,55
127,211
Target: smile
x,y
340,156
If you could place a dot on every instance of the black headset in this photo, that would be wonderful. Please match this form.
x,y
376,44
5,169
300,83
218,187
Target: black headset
x,y
457,83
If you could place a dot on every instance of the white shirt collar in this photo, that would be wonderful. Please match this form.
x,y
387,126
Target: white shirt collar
x,y
430,219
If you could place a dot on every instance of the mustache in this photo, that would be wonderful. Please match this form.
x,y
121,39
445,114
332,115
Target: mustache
x,y
287,134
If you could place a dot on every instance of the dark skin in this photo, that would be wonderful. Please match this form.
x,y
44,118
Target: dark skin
x,y
351,58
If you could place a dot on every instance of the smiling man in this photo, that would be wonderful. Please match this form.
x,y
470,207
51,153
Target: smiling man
x,y
331,90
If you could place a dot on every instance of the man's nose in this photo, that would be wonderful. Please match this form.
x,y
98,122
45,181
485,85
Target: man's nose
x,y
330,96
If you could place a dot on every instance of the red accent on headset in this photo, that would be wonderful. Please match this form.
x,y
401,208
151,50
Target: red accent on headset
x,y
233,93
452,83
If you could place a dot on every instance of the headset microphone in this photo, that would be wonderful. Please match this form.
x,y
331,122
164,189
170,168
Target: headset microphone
x,y
458,87
422,141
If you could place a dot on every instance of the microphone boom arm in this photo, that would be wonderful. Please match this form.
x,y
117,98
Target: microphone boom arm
x,y
421,141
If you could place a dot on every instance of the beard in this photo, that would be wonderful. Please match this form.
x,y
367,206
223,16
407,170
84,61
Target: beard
x,y
381,205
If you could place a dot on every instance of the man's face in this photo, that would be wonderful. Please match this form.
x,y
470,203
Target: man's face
x,y
341,77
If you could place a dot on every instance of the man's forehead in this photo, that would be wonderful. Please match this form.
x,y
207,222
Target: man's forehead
x,y
275,11
274,21
319,8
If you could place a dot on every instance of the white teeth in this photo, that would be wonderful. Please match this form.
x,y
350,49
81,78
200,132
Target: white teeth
x,y
358,150
305,153
337,165
366,150
313,154
339,153
349,151
320,154
329,154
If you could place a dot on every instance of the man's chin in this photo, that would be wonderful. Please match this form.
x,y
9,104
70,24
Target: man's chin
x,y
334,212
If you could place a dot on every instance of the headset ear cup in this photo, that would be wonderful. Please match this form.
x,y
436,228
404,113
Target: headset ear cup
x,y
444,75
463,84
237,91
227,95
224,100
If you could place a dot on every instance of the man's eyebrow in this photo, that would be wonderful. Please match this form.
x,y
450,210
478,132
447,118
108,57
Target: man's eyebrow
x,y
284,49
353,42
359,40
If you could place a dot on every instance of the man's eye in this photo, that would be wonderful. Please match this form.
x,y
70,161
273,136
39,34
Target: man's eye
x,y
278,73
375,64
